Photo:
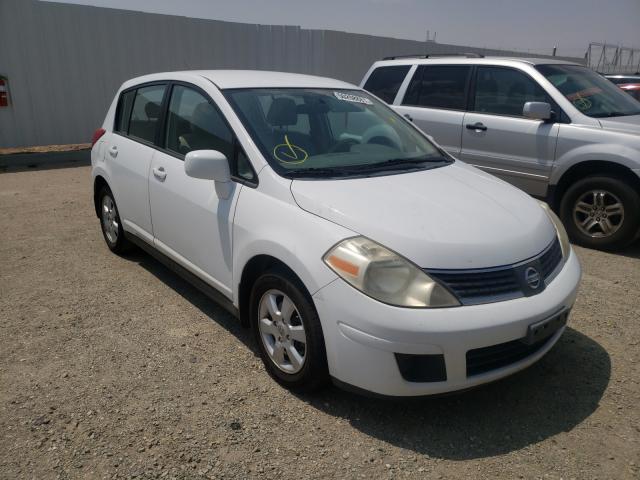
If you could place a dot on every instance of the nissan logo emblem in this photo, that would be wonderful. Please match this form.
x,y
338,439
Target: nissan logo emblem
x,y
532,277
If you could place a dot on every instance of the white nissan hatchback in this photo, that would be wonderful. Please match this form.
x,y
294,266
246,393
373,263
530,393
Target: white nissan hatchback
x,y
356,248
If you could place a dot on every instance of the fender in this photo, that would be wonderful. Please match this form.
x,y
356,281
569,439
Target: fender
x,y
100,168
297,238
627,156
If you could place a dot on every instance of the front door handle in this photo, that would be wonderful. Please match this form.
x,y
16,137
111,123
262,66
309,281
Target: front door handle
x,y
478,127
159,173
408,117
113,151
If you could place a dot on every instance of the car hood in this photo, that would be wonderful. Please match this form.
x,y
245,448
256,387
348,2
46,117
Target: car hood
x,y
452,217
630,124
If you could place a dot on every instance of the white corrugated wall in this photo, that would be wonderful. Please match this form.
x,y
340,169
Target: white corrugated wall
x,y
64,62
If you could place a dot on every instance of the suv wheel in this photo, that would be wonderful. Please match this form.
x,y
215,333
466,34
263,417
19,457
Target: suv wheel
x,y
110,222
601,212
288,332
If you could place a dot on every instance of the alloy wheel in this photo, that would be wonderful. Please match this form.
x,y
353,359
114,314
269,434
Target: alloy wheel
x,y
110,219
282,331
598,213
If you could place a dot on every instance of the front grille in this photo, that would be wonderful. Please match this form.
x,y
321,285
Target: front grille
x,y
481,287
550,259
481,360
474,287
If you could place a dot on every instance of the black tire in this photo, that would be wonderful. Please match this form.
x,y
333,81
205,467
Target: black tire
x,y
616,188
119,244
314,373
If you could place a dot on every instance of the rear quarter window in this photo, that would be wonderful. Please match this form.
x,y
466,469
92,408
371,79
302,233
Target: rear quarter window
x,y
439,86
123,111
385,81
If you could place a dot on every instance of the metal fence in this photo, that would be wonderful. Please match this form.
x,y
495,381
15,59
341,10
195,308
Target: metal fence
x,y
64,62
606,58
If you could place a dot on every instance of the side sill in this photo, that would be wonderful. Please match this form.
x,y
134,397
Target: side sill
x,y
185,274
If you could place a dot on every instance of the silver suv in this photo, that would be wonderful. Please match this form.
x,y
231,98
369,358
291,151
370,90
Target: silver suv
x,y
558,130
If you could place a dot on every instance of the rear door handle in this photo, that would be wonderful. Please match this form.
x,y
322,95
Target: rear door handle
x,y
159,173
408,117
113,151
478,127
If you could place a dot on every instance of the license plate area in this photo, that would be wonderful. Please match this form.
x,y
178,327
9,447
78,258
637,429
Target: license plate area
x,y
545,328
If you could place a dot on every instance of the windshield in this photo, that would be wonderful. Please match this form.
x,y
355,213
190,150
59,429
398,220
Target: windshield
x,y
589,91
331,133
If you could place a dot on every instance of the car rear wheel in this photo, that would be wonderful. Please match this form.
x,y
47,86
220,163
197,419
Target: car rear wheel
x,y
288,332
110,223
601,212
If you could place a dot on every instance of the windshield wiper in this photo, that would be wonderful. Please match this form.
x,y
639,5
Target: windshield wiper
x,y
614,114
399,162
341,171
410,160
319,172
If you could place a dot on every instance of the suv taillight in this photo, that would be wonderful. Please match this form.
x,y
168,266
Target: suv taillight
x,y
96,135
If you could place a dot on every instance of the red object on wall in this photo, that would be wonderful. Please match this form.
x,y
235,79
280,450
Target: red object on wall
x,y
4,93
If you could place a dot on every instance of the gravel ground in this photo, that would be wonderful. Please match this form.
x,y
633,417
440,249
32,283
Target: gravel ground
x,y
115,368
72,147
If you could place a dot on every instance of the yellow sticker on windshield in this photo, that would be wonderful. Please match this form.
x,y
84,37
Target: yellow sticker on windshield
x,y
582,103
288,152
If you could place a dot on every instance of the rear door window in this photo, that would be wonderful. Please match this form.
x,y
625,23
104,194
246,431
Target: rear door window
x,y
385,81
146,111
439,86
504,91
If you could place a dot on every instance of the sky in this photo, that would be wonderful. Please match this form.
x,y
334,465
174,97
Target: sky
x,y
527,25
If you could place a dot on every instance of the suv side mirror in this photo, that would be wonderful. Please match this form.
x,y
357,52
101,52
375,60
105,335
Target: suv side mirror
x,y
537,110
210,165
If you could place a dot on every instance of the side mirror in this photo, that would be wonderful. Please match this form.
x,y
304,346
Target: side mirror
x,y
210,165
537,110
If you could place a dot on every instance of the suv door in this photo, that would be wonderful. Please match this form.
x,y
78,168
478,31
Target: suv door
x,y
499,139
129,155
436,100
191,224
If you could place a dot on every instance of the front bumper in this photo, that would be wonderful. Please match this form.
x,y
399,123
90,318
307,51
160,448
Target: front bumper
x,y
363,336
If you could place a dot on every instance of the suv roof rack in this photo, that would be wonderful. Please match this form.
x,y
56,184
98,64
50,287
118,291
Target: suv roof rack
x,y
436,55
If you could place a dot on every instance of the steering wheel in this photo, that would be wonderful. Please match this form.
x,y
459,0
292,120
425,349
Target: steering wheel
x,y
343,145
382,135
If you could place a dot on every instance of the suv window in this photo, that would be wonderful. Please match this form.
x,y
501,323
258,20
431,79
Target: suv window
x,y
194,123
385,81
146,112
439,86
123,111
504,91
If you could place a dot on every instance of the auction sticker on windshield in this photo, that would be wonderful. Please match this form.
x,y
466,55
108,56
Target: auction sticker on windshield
x,y
348,97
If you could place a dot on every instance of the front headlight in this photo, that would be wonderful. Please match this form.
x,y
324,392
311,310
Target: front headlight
x,y
385,276
562,233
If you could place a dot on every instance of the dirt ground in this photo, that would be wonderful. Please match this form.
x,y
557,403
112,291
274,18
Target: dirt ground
x,y
46,148
114,367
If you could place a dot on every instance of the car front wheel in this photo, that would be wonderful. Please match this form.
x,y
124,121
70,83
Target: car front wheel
x,y
288,332
601,212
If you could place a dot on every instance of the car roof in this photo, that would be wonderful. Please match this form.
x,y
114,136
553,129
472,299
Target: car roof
x,y
225,79
461,60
